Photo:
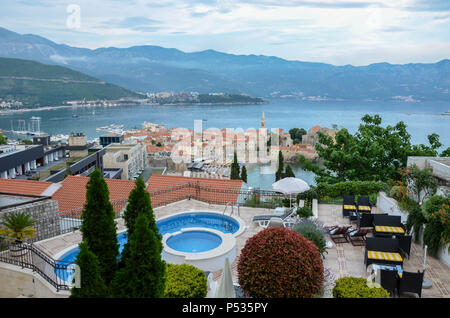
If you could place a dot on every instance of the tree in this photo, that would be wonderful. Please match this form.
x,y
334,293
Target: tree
x,y
296,134
235,169
373,153
98,227
446,153
280,171
144,273
289,173
244,174
420,181
3,140
92,284
138,203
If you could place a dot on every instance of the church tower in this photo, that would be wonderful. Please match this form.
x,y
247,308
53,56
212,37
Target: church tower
x,y
263,121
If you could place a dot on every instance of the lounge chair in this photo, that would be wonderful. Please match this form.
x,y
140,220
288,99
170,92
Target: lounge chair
x,y
358,236
389,280
383,251
348,205
364,204
388,225
411,282
263,220
339,233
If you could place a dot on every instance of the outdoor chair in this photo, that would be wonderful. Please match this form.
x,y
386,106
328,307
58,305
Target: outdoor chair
x,y
411,282
339,234
389,280
348,205
358,237
383,251
387,225
364,204
263,220
405,244
364,219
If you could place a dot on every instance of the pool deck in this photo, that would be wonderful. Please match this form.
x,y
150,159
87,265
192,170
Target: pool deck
x,y
341,260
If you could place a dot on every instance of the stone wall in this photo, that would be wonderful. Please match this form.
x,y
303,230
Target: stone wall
x,y
46,214
23,282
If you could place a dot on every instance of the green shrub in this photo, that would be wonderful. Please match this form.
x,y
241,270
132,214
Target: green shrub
x,y
280,263
304,212
185,281
356,287
415,220
312,232
349,187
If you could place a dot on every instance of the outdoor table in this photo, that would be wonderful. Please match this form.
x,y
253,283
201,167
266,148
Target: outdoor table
x,y
398,268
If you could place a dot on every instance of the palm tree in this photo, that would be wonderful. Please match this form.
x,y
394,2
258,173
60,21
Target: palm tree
x,y
18,227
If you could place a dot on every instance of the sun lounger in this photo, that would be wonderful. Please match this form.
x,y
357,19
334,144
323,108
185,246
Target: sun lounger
x,y
358,237
339,234
263,220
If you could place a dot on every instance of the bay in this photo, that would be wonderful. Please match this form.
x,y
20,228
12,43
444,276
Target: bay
x,y
421,118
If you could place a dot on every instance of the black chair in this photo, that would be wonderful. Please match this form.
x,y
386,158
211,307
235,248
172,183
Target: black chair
x,y
411,283
364,220
364,201
389,280
348,200
404,242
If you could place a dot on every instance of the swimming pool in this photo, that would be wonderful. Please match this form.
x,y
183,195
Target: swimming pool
x,y
199,242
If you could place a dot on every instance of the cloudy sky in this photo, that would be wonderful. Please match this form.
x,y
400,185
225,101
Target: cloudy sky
x,y
339,32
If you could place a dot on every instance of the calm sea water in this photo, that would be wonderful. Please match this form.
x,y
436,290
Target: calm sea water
x,y
422,119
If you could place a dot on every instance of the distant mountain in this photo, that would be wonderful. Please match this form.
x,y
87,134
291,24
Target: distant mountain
x,y
155,69
35,84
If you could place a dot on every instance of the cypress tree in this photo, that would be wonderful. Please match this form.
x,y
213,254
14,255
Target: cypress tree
x,y
143,275
92,284
138,203
279,174
289,172
244,174
235,169
98,227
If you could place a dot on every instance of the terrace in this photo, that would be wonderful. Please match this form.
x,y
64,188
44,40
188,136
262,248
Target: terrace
x,y
342,259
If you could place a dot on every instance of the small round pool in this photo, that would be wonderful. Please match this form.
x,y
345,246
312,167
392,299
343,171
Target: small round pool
x,y
194,241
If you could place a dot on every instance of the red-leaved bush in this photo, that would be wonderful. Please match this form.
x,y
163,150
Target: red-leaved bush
x,y
280,263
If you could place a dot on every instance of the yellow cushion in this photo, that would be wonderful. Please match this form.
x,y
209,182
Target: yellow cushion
x,y
349,207
389,229
386,256
363,207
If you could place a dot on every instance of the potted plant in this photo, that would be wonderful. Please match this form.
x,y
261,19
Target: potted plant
x,y
17,228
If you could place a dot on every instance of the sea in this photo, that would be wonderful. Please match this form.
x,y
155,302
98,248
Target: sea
x,y
421,118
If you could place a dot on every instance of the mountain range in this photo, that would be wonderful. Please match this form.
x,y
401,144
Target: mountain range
x,y
151,68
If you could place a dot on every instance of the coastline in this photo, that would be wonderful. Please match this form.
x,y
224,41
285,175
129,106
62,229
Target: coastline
x,y
22,110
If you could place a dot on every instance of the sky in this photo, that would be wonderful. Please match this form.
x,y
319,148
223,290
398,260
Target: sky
x,y
339,32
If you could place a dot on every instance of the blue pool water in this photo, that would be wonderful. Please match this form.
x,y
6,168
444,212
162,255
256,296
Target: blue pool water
x,y
194,241
173,224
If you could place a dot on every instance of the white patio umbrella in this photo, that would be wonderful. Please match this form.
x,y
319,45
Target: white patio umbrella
x,y
290,186
226,286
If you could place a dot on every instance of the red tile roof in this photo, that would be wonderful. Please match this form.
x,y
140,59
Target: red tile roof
x,y
167,189
72,194
18,186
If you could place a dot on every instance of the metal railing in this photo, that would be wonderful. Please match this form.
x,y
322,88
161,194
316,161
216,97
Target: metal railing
x,y
29,256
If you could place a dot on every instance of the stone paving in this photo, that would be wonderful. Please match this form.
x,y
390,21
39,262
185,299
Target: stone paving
x,y
342,259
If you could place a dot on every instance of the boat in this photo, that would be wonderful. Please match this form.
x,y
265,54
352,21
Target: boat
x,y
75,116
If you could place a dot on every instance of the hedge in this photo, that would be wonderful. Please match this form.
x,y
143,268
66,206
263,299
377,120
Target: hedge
x,y
349,187
185,281
356,287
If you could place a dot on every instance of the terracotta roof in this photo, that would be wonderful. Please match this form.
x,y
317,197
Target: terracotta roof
x,y
167,189
29,187
72,194
316,128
